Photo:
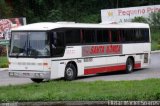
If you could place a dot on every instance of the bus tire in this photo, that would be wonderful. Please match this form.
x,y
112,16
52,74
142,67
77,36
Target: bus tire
x,y
36,80
70,72
129,65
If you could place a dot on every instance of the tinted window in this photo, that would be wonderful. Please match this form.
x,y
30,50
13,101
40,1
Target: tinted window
x,y
129,35
88,36
72,36
57,43
135,35
145,33
138,35
115,36
102,36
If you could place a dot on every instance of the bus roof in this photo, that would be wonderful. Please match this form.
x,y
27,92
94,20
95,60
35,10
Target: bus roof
x,y
50,25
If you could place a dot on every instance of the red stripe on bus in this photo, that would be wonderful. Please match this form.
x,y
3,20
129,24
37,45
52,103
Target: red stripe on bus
x,y
108,69
137,66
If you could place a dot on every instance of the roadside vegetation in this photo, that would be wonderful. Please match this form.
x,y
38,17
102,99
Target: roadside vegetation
x,y
64,10
82,91
3,57
155,35
3,62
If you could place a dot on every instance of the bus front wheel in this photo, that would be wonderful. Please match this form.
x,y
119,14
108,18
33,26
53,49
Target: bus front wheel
x,y
36,80
70,72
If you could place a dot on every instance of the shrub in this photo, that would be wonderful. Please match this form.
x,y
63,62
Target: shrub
x,y
140,19
5,65
159,43
3,51
154,20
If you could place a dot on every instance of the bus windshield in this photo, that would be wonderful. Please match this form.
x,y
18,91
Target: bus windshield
x,y
29,44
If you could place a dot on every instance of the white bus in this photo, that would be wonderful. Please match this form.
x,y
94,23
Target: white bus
x,y
54,50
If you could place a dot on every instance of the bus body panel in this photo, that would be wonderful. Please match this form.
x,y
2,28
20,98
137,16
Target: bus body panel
x,y
136,48
30,67
99,65
141,52
26,64
72,52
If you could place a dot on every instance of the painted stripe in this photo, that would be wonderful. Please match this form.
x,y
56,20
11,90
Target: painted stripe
x,y
105,65
137,66
95,70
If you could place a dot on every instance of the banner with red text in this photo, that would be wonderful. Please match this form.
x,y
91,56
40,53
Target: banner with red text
x,y
97,50
7,24
127,14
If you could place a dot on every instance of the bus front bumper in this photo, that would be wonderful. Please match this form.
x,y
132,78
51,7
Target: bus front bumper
x,y
30,74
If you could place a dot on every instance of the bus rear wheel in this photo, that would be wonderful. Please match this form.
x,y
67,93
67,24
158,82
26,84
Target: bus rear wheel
x,y
36,80
129,65
70,72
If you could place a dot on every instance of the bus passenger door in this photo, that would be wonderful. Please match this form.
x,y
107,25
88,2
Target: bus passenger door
x,y
57,52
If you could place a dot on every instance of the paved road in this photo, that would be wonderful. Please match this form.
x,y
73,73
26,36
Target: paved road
x,y
152,72
6,80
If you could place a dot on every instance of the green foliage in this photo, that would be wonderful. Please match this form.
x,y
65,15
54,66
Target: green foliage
x,y
91,18
3,51
54,15
3,62
83,91
155,34
154,20
155,45
140,19
5,10
68,10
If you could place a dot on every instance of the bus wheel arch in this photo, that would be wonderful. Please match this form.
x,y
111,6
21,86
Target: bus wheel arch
x,y
130,63
71,71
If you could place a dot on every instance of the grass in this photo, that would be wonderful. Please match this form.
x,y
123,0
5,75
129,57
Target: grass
x,y
155,34
3,62
82,91
155,45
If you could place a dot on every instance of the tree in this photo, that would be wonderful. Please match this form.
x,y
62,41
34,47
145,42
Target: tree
x,y
5,9
140,19
154,20
69,10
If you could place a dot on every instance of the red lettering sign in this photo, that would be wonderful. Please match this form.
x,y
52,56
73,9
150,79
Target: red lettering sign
x,y
101,50
113,49
97,49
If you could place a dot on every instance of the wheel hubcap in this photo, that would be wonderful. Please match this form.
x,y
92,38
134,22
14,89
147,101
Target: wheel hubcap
x,y
69,72
130,66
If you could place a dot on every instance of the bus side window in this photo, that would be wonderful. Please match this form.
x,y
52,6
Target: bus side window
x,y
88,36
102,36
72,36
57,43
54,40
115,36
145,33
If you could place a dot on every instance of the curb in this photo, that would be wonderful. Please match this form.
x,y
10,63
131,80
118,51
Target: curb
x,y
3,69
84,103
156,51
